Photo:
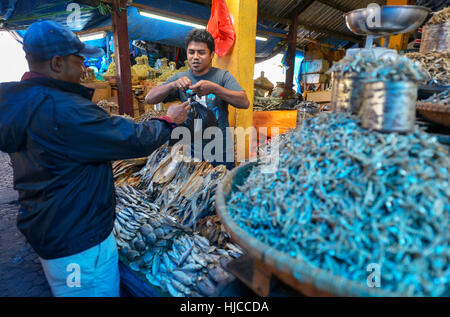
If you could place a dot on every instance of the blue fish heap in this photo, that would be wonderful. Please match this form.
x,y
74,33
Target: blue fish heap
x,y
344,197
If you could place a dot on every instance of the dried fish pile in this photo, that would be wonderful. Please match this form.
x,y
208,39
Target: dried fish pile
x,y
400,69
366,67
273,103
436,64
171,257
306,109
360,65
108,106
182,187
124,171
440,17
150,114
212,228
344,198
442,98
436,33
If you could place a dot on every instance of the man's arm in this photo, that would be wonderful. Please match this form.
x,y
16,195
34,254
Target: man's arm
x,y
89,134
158,94
237,99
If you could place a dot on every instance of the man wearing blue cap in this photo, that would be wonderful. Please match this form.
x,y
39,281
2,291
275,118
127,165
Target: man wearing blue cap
x,y
61,147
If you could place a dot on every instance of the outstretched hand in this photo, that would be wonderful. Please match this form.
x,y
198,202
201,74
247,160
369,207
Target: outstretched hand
x,y
178,113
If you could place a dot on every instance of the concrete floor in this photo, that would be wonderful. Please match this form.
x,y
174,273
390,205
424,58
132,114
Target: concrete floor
x,y
21,273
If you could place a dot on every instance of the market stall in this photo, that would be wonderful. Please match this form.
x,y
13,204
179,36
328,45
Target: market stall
x,y
353,181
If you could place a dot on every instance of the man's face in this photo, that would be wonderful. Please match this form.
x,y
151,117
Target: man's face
x,y
199,57
68,68
72,68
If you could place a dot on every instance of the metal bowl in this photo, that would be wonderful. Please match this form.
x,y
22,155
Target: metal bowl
x,y
393,20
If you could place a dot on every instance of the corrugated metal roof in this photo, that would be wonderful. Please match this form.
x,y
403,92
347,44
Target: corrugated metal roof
x,y
317,14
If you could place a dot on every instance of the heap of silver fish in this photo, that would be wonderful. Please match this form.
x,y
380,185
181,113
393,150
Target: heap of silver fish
x,y
344,198
400,69
172,257
367,67
182,188
442,98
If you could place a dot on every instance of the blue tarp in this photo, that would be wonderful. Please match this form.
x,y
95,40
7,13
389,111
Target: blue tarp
x,y
22,13
19,14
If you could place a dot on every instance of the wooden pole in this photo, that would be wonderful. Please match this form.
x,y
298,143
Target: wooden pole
x,y
122,58
292,48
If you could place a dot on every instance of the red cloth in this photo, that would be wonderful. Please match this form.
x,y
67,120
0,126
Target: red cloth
x,y
31,75
221,28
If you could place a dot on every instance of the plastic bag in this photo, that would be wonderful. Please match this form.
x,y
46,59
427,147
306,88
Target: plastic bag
x,y
221,27
199,118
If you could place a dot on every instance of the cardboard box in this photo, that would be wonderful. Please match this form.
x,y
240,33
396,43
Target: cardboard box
x,y
319,96
314,78
315,66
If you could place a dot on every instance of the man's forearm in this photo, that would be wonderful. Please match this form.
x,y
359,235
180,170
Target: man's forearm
x,y
158,94
237,99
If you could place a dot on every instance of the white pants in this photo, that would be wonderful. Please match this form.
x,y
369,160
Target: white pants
x,y
91,273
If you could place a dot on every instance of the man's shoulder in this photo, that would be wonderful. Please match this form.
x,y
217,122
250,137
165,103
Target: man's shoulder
x,y
218,74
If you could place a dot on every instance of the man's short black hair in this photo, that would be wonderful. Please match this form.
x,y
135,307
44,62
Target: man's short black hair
x,y
200,35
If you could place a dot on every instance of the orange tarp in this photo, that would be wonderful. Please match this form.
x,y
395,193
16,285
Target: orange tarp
x,y
284,120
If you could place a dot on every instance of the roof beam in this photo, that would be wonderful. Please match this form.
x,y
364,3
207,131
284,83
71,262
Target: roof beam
x,y
300,8
321,29
333,4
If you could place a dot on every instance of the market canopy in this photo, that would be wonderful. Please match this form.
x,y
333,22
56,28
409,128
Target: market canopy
x,y
19,14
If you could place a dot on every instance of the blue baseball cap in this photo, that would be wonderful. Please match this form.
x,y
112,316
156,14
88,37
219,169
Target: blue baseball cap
x,y
46,39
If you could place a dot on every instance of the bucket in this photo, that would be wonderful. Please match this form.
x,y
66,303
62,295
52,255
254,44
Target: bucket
x,y
389,106
348,94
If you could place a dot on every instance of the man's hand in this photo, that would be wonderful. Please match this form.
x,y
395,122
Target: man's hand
x,y
182,83
178,113
204,87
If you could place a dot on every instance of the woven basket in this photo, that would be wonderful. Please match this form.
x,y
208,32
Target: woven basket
x,y
308,280
435,113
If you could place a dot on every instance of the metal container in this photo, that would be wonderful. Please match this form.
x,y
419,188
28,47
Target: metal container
x,y
435,38
347,94
394,19
389,106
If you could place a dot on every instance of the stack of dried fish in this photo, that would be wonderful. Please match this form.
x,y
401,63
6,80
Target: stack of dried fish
x,y
442,98
124,171
150,114
182,187
440,17
436,33
211,228
344,198
170,256
436,64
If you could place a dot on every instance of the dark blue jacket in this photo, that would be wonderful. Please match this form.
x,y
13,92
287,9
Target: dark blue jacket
x,y
61,145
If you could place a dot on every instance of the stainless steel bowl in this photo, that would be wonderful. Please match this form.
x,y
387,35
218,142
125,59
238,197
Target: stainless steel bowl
x,y
393,20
